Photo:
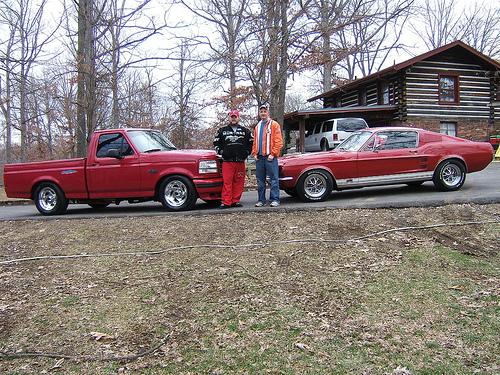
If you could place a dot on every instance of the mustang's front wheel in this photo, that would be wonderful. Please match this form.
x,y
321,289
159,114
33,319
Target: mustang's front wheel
x,y
177,193
50,199
314,186
449,175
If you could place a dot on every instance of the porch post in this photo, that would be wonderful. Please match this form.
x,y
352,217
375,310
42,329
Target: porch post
x,y
302,134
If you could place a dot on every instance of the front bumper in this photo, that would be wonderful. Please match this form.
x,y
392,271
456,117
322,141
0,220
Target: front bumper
x,y
208,188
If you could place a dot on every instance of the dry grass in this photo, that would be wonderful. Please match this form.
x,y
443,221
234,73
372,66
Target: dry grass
x,y
426,300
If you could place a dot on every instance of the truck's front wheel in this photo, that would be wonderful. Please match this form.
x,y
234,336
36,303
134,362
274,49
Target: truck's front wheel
x,y
50,199
177,193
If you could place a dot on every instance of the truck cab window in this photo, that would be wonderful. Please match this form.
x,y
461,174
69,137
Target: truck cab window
x,y
113,141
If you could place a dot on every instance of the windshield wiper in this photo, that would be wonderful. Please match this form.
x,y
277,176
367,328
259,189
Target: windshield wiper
x,y
153,150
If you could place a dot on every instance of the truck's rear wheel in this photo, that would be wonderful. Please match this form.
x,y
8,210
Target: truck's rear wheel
x,y
177,193
50,199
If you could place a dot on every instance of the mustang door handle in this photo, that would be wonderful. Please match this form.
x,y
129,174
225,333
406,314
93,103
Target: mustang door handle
x,y
413,151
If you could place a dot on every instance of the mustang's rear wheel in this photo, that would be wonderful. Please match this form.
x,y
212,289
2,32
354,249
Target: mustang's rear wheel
x,y
177,193
449,175
315,185
50,199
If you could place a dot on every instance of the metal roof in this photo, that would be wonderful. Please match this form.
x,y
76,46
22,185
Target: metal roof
x,y
340,110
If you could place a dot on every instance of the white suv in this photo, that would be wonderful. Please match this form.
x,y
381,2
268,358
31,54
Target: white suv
x,y
328,134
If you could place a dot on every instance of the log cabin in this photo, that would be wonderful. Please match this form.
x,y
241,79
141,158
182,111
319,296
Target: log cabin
x,y
453,89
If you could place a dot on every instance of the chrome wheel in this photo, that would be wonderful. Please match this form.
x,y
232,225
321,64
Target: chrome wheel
x,y
176,193
47,198
50,199
315,185
451,175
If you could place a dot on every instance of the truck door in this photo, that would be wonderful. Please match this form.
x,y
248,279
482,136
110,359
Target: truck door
x,y
112,177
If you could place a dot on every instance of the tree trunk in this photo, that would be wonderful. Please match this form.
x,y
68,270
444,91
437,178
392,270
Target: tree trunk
x,y
81,126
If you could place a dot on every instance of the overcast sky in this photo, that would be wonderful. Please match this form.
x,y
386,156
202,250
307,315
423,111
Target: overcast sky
x,y
179,15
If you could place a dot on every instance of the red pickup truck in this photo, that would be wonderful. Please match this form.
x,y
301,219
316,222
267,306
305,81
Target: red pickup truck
x,y
133,165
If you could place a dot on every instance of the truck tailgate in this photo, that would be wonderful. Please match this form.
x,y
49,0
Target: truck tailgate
x,y
69,174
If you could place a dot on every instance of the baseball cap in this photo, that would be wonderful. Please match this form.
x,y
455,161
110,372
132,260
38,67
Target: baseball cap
x,y
234,112
264,105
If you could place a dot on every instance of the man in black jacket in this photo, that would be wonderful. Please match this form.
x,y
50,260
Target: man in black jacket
x,y
233,143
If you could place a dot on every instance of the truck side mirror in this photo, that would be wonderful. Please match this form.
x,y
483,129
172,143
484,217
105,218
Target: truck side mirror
x,y
114,153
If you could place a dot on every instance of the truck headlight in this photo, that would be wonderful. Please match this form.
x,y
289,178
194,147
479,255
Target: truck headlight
x,y
208,166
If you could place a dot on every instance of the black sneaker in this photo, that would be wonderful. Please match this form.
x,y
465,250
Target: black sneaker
x,y
237,204
224,206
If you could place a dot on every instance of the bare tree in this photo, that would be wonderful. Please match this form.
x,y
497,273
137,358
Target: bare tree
x,y
329,17
185,85
229,19
274,50
483,30
442,22
26,26
6,82
374,36
128,27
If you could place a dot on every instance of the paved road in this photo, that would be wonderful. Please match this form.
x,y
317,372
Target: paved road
x,y
482,187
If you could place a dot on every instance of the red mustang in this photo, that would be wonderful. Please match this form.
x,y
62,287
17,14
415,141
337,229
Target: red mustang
x,y
384,156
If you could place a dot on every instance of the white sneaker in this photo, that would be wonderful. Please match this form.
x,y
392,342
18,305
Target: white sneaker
x,y
259,204
274,204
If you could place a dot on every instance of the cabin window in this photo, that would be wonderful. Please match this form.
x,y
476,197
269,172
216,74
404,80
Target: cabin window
x,y
384,94
362,96
448,128
110,141
448,89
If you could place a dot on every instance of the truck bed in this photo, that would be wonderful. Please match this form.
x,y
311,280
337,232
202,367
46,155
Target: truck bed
x,y
69,174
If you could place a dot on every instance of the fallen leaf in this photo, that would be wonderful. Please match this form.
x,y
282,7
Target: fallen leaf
x,y
58,364
301,346
98,336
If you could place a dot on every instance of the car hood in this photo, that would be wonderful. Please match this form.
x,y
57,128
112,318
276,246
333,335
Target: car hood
x,y
309,156
182,155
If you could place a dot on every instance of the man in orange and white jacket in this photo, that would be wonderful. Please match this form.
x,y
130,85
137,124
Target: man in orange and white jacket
x,y
267,145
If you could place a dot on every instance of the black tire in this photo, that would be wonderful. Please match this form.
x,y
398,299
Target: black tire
x,y
177,193
324,145
50,199
99,206
292,192
449,175
314,185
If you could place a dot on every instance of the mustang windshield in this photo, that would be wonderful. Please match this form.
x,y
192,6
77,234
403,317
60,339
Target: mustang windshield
x,y
150,141
354,142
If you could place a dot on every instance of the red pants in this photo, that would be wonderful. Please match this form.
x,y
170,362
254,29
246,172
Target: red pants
x,y
233,175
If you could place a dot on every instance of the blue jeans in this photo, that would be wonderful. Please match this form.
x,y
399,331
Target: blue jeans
x,y
264,168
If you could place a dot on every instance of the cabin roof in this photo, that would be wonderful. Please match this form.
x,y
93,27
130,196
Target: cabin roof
x,y
397,67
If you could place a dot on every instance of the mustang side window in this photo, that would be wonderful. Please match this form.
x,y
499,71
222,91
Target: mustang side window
x,y
113,141
398,139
